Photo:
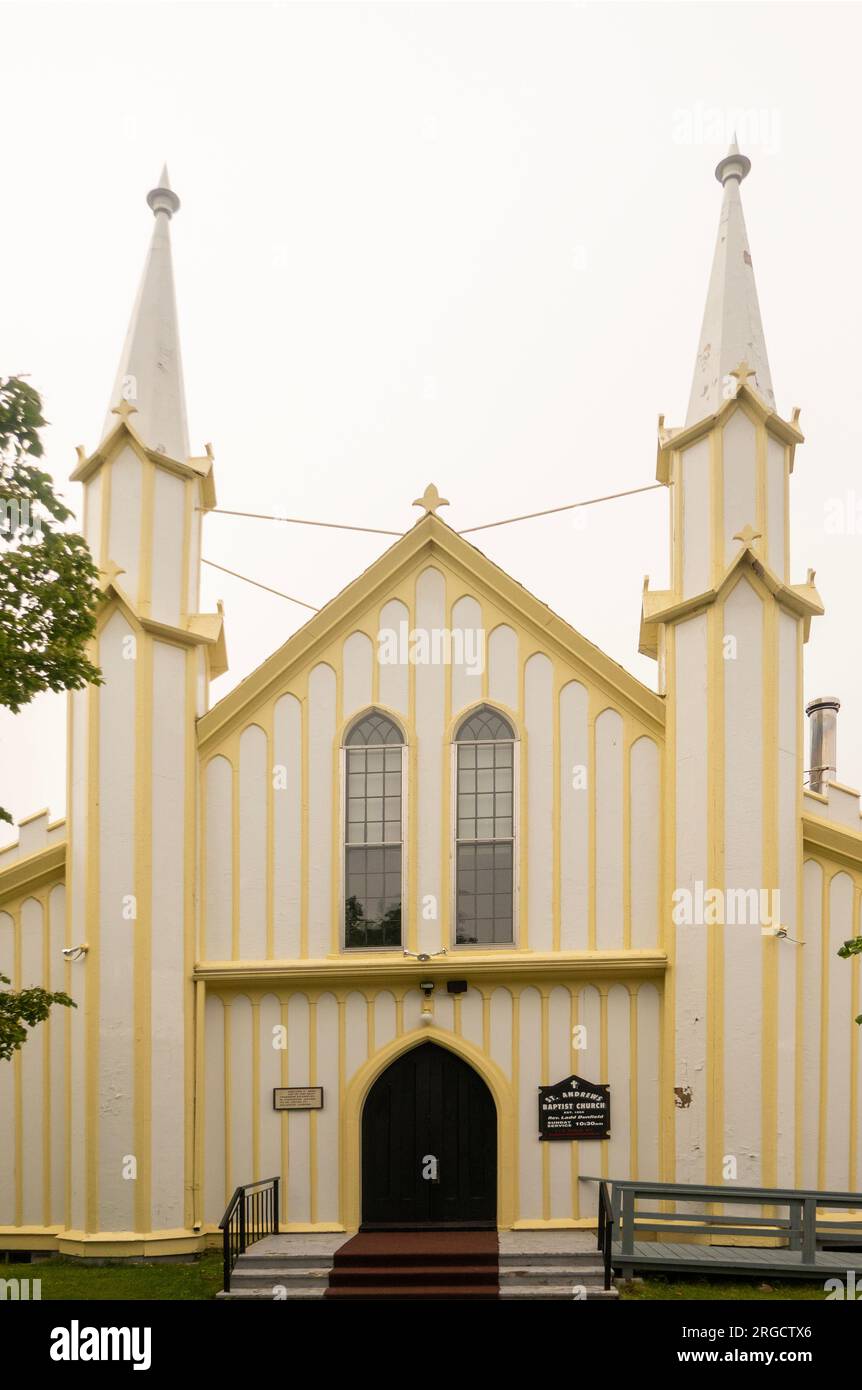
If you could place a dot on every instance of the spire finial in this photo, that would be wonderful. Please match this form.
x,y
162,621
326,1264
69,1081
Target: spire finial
x,y
163,198
734,165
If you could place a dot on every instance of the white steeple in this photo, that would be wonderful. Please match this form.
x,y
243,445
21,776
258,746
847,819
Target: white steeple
x,y
732,332
150,374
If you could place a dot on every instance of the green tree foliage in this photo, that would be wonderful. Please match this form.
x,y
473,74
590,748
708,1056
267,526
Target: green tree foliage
x,y
853,947
20,1007
48,581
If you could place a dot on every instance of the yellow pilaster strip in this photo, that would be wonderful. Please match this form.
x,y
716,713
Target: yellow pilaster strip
x,y
145,576
823,1067
199,1101
193,1042
628,737
142,927
255,1088
633,1083
312,1132
47,1136
93,930
556,745
769,1074
546,1069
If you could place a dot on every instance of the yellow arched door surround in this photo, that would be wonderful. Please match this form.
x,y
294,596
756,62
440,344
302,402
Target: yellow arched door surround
x,y
354,1100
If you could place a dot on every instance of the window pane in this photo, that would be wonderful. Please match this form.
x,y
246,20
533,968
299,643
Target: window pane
x,y
484,894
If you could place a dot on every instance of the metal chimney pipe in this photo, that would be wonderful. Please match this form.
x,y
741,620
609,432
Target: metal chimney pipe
x,y
823,714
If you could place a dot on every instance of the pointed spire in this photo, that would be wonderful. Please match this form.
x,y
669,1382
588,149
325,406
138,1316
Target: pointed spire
x,y
732,332
150,374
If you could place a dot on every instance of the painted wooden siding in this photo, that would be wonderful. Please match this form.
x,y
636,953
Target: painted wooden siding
x,y
590,789
532,1035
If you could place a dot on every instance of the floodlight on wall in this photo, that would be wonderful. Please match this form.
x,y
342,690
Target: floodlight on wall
x,y
76,952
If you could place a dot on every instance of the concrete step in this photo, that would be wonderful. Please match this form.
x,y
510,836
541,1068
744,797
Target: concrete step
x,y
553,1274
561,1292
285,1278
253,1295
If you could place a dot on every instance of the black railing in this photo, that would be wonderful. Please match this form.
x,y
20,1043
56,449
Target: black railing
x,y
606,1230
252,1213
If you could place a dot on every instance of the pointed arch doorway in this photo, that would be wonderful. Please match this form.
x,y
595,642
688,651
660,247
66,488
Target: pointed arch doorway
x,y
429,1145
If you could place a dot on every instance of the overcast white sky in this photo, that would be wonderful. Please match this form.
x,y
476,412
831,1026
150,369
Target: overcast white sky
x,y
466,243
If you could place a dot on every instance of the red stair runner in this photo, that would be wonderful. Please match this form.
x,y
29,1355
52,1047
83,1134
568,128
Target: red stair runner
x,y
416,1264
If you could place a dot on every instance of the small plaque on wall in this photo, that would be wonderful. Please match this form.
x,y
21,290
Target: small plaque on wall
x,y
297,1098
575,1109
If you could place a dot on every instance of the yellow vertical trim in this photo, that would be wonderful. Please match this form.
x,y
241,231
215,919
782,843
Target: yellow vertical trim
x,y
667,929
284,1133
255,1087
516,1094
191,1204
825,924
93,930
142,938
716,467
236,765
68,899
105,528
341,999
853,1028
544,995
486,1020
336,820
270,837
575,1069
715,829
414,895
633,1082
769,944
189,506
228,1100
47,1137
802,932
17,1061
603,1033
556,824
145,537
522,845
626,753
199,1100
312,1130
370,1002
304,848
762,522
591,826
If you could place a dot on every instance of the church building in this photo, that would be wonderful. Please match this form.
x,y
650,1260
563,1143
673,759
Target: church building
x,y
437,853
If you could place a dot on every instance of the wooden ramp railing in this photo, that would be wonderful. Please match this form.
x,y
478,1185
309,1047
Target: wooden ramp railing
x,y
793,1235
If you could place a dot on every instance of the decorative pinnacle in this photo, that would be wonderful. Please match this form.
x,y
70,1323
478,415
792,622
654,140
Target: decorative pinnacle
x,y
163,198
743,372
431,500
733,166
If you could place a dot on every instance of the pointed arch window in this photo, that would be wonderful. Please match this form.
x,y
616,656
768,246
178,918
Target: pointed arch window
x,y
485,789
373,832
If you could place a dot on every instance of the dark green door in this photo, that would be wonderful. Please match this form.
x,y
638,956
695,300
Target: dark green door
x,y
429,1144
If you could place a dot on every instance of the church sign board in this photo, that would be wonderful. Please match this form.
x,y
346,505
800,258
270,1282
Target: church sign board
x,y
575,1109
297,1098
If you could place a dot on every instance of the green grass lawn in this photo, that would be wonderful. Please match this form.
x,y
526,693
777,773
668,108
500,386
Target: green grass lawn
x,y
730,1290
201,1279
70,1279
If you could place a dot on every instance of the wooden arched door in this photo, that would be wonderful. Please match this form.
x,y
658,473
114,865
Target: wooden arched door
x,y
429,1144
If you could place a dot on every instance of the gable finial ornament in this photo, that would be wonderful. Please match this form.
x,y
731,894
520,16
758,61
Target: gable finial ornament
x,y
742,373
431,500
124,409
747,535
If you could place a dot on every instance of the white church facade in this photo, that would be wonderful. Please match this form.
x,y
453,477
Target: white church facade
x,y
437,852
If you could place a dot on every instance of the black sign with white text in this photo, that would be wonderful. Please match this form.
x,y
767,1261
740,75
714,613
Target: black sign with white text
x,y
575,1109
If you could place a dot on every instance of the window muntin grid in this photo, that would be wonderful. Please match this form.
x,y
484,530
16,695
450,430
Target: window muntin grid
x,y
485,838
373,872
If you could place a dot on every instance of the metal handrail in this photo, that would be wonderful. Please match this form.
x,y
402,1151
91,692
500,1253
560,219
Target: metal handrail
x,y
606,1230
251,1214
